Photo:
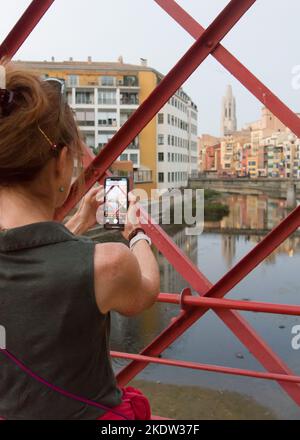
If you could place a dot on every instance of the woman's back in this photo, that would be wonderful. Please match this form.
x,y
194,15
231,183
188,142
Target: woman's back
x,y
53,325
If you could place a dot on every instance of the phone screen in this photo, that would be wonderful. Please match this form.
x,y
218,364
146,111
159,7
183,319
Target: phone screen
x,y
116,202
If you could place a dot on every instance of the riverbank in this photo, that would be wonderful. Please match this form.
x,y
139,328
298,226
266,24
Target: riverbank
x,y
195,403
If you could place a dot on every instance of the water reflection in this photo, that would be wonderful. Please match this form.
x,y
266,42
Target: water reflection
x,y
255,212
209,340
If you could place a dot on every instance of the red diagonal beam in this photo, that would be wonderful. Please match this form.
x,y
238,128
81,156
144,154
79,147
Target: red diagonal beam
x,y
235,322
162,93
235,67
200,283
23,28
238,325
25,24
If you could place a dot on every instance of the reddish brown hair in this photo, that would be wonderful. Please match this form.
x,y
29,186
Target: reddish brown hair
x,y
24,151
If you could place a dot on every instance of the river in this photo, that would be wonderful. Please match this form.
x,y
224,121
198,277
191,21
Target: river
x,y
209,340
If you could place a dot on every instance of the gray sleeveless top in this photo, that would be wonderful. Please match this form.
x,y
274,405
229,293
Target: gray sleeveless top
x,y
53,325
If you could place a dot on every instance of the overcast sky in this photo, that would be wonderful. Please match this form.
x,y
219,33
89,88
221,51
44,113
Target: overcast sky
x,y
266,40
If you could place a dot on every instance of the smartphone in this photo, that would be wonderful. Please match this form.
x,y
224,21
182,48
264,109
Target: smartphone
x,y
115,202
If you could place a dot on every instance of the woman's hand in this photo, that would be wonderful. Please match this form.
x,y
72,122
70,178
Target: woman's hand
x,y
85,217
133,216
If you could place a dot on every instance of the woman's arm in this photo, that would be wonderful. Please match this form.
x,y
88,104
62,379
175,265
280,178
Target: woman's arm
x,y
126,281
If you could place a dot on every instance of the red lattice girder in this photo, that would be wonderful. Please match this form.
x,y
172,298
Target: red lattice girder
x,y
235,67
24,27
207,42
160,95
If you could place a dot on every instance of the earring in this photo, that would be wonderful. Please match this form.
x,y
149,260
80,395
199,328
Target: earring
x,y
61,189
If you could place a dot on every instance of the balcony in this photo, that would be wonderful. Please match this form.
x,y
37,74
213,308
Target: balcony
x,y
129,99
107,101
143,176
86,98
130,81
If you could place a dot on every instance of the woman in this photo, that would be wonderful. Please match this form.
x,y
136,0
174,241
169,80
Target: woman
x,y
57,289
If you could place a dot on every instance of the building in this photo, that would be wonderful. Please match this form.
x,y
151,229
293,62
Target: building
x,y
232,154
105,94
228,119
177,150
282,155
209,158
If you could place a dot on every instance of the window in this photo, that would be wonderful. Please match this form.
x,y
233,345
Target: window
x,y
104,138
89,139
85,117
108,81
107,119
142,176
160,139
130,81
161,177
129,98
85,98
160,157
107,97
134,158
73,80
160,118
123,157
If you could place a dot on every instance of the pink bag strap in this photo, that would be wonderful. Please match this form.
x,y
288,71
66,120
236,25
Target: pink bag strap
x,y
57,389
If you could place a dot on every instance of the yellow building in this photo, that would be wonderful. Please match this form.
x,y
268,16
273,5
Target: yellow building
x,y
105,94
252,165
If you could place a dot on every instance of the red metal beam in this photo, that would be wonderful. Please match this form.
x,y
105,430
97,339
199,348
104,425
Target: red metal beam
x,y
235,67
201,284
231,304
207,367
24,27
229,316
236,323
162,93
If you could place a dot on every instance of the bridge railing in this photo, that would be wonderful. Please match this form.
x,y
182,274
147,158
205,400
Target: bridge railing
x,y
208,42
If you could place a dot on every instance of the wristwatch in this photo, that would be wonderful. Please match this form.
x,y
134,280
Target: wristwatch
x,y
137,235
135,232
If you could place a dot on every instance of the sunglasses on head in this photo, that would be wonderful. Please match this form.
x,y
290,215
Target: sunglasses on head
x,y
59,85
7,101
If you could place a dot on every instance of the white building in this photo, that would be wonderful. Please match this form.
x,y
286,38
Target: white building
x,y
177,155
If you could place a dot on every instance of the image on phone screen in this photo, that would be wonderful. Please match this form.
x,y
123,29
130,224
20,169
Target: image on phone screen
x,y
116,202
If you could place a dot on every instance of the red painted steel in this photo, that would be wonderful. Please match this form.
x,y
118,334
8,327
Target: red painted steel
x,y
207,367
258,347
207,42
237,324
231,304
23,28
235,67
163,92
